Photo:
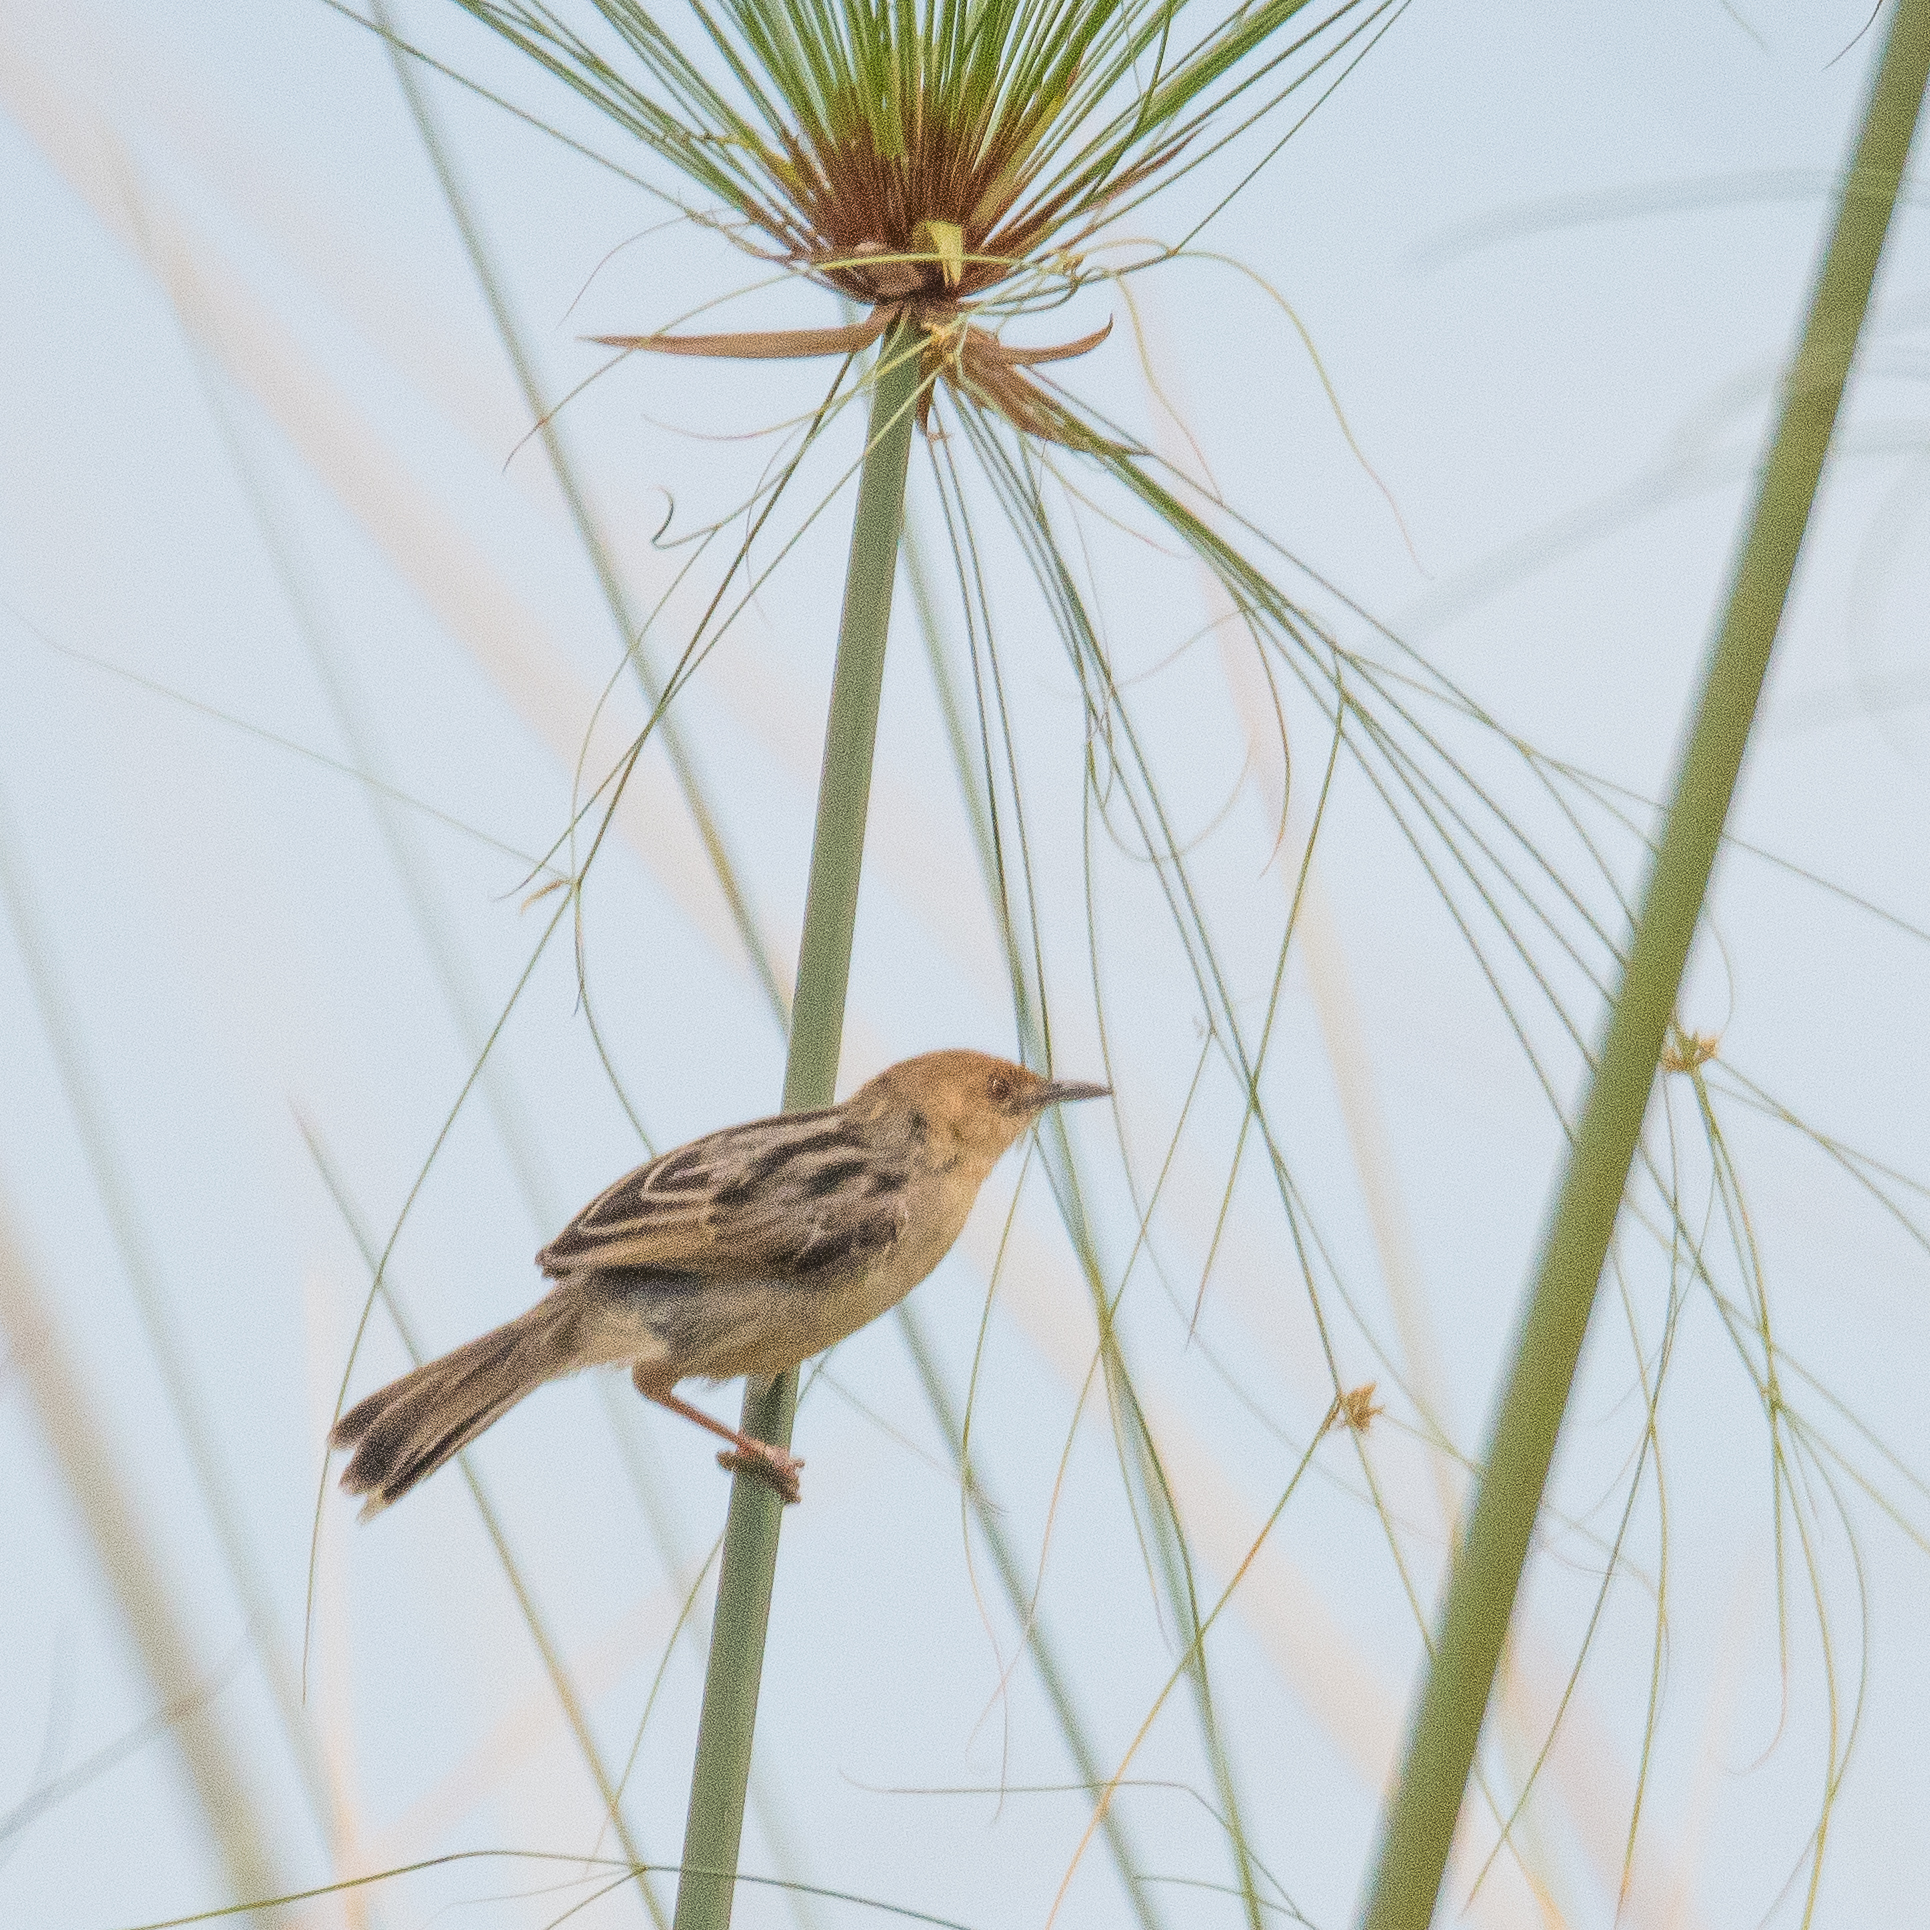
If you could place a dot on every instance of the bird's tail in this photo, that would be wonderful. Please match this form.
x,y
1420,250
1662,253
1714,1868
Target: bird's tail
x,y
403,1432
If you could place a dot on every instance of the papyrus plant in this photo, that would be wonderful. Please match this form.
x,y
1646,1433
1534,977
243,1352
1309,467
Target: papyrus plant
x,y
1419,1826
945,166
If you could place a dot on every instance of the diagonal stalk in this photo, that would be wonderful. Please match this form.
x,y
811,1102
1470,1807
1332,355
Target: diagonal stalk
x,y
669,728
94,1123
218,1767
510,334
1418,1828
724,1731
547,1648
1019,1593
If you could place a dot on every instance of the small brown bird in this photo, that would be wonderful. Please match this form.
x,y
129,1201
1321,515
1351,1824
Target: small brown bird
x,y
744,1252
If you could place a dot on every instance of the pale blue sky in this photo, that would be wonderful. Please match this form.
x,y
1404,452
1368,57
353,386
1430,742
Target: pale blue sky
x,y
255,419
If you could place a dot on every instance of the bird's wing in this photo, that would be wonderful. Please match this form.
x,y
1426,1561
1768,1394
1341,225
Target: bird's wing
x,y
777,1199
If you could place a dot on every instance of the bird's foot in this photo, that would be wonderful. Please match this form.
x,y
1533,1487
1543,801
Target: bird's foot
x,y
763,1462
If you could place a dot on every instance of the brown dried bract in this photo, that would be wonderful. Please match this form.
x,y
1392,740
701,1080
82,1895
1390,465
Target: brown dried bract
x,y
954,349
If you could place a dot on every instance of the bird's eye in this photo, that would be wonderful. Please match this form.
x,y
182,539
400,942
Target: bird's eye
x,y
1000,1089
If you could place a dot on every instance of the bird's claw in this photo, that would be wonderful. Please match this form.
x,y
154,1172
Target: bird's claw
x,y
773,1466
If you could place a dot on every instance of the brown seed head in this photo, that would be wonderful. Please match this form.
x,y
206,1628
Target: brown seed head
x,y
1357,1409
1689,1051
973,1105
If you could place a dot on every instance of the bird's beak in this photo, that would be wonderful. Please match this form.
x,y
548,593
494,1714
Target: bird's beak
x,y
1056,1092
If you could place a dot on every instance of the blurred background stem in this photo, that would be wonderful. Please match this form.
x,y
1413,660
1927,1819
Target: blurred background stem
x,y
729,1718
120,1537
1418,1828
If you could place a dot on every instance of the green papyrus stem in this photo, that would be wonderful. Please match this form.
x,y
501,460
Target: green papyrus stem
x,y
725,1730
1418,1828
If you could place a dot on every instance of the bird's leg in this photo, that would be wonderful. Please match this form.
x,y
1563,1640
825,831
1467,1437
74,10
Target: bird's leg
x,y
752,1456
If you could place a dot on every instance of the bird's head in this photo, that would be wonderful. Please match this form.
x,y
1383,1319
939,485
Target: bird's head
x,y
969,1103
